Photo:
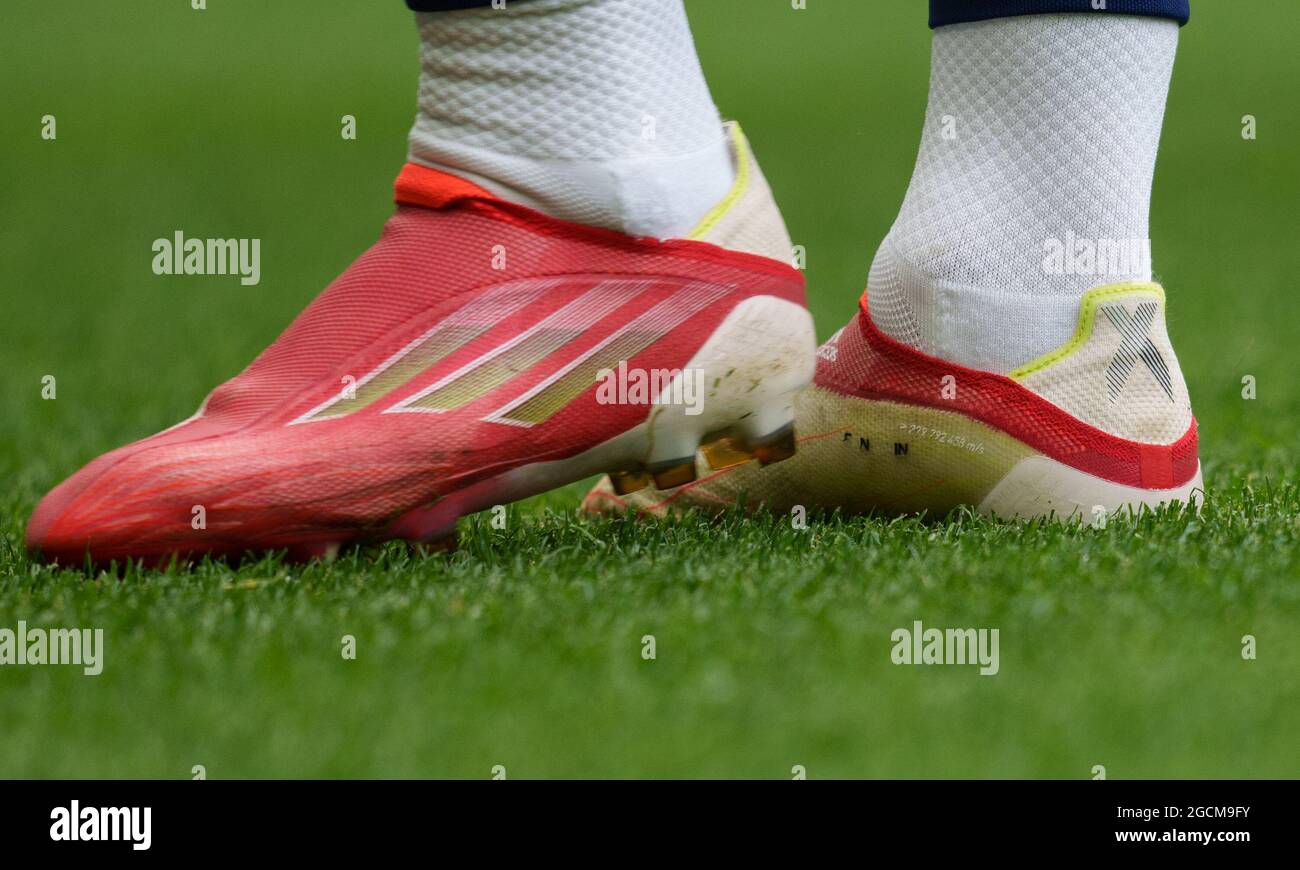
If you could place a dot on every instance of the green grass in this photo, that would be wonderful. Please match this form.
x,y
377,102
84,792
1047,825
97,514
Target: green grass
x,y
1119,647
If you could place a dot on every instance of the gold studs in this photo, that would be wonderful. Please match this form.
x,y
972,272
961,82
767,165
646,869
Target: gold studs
x,y
720,452
628,482
670,475
777,448
726,452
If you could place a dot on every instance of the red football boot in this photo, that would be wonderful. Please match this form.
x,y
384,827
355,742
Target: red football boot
x,y
481,352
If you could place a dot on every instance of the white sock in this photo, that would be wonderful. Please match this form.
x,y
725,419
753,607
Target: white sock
x,y
594,111
1041,131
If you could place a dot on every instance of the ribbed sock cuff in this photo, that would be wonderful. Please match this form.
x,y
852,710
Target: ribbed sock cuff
x,y
447,5
943,12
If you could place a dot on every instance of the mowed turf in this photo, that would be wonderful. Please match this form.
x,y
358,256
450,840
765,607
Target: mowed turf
x,y
1119,647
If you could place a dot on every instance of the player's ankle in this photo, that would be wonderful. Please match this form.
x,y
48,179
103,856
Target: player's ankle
x,y
982,325
657,196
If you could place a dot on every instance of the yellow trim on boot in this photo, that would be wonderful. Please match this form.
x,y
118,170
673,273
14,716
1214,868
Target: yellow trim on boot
x,y
1087,314
740,145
